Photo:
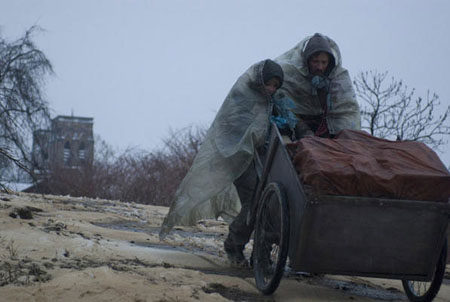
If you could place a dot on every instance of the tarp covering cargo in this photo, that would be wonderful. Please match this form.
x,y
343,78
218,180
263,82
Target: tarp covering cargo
x,y
356,163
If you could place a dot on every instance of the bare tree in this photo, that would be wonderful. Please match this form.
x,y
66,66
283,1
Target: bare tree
x,y
23,109
389,109
146,177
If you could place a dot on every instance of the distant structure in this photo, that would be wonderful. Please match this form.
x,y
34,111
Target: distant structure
x,y
69,143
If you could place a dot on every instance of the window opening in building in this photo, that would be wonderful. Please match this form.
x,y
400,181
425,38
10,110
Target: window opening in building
x,y
66,153
82,152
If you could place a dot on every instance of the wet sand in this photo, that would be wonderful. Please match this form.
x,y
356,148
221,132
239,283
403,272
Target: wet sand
x,y
59,248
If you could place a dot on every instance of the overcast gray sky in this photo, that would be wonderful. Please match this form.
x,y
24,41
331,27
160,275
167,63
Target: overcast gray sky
x,y
141,67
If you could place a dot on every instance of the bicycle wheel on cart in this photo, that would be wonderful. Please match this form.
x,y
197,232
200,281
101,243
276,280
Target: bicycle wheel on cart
x,y
418,291
271,240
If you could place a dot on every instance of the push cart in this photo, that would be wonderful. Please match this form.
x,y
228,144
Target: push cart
x,y
342,235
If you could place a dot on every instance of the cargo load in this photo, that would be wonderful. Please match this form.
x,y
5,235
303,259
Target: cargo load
x,y
355,163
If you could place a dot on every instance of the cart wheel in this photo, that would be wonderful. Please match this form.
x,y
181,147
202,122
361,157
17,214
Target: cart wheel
x,y
271,240
418,291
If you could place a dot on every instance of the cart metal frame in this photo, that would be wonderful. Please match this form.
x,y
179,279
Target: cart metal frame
x,y
348,235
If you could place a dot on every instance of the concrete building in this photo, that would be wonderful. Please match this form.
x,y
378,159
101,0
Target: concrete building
x,y
69,143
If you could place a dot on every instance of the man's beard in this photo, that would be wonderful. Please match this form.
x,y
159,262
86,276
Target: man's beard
x,y
317,73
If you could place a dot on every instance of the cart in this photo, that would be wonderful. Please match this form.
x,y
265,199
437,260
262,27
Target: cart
x,y
342,235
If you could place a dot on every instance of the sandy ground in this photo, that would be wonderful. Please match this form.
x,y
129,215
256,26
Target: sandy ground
x,y
58,248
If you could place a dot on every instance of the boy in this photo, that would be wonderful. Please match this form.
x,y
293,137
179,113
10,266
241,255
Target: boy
x,y
226,158
239,232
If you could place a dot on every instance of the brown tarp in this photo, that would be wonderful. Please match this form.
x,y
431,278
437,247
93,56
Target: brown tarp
x,y
356,163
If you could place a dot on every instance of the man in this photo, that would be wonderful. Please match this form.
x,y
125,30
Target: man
x,y
320,87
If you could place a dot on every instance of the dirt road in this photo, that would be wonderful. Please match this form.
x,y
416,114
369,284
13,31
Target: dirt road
x,y
58,248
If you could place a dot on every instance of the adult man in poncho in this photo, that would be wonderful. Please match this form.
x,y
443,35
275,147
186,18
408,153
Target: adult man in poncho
x,y
321,88
324,101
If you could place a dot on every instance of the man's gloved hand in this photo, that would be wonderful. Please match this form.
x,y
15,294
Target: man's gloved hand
x,y
302,130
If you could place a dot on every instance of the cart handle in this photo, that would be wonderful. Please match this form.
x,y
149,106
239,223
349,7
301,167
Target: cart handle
x,y
274,141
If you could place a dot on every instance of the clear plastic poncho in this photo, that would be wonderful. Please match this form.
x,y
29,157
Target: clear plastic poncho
x,y
343,110
240,126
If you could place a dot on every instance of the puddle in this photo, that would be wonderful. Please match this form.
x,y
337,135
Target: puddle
x,y
228,271
125,225
196,241
362,290
142,227
235,293
162,247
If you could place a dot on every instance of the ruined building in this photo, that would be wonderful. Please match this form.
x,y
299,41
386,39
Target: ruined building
x,y
69,143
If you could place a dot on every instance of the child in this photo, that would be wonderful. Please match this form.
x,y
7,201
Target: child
x,y
239,231
226,158
272,76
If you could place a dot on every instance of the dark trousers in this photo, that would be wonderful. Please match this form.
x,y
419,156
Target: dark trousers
x,y
239,232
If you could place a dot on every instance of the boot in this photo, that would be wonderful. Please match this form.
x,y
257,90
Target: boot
x,y
235,254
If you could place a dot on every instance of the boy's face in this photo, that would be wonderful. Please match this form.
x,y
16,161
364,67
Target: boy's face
x,y
272,85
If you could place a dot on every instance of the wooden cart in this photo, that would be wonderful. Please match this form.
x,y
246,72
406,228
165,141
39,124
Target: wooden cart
x,y
343,235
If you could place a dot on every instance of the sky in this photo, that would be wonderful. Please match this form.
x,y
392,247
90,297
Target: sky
x,y
141,68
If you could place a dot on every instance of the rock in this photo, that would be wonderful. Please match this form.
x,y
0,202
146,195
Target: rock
x,y
25,213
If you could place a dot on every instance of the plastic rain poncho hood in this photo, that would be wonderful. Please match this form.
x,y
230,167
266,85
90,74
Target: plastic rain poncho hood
x,y
240,126
343,110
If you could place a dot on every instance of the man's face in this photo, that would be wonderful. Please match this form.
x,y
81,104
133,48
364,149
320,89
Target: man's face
x,y
272,85
318,63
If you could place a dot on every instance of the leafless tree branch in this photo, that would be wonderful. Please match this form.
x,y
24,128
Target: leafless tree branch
x,y
23,109
389,109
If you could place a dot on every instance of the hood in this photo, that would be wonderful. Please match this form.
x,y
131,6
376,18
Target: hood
x,y
271,70
319,43
295,58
